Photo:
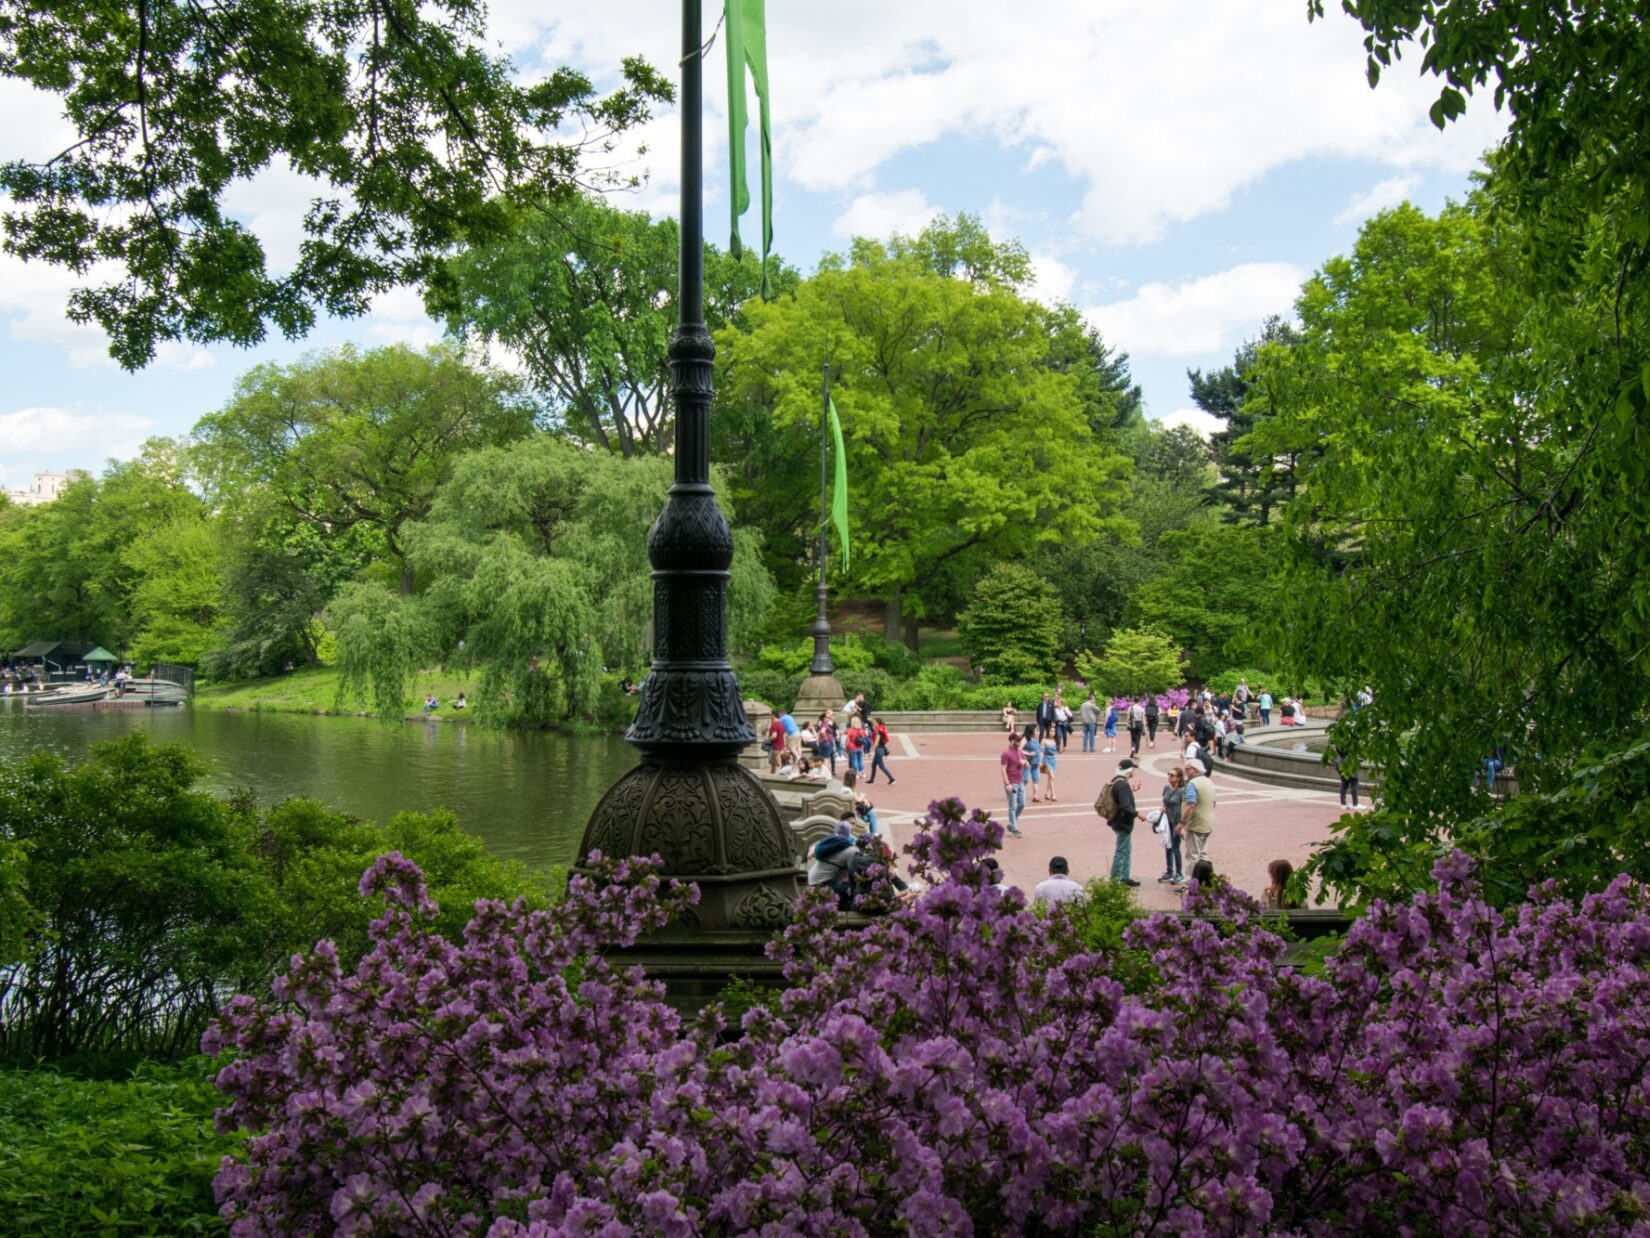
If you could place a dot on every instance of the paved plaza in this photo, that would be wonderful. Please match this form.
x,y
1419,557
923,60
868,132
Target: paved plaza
x,y
1254,823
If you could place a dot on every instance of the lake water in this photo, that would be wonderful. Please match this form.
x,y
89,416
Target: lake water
x,y
526,794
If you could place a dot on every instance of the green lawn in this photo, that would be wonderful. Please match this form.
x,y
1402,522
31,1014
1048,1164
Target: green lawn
x,y
314,690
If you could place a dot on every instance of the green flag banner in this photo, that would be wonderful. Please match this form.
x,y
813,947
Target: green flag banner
x,y
747,36
839,496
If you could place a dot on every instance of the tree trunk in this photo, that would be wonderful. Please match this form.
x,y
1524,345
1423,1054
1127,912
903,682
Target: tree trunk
x,y
892,623
406,580
911,635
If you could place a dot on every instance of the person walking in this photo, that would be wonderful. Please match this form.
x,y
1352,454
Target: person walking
x,y
1034,762
1348,770
1137,729
1197,813
879,752
1174,795
1153,709
1014,782
1089,714
1062,722
1265,707
1111,726
1050,751
1121,817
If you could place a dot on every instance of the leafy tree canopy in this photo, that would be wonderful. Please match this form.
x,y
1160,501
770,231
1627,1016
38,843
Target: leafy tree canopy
x,y
586,295
1136,661
1214,594
408,122
345,440
965,443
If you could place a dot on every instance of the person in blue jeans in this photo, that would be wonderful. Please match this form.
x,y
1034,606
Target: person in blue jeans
x,y
856,741
1111,728
1089,713
1014,785
1034,762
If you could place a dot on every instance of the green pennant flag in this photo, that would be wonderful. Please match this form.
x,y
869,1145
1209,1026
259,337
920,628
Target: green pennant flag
x,y
747,36
839,496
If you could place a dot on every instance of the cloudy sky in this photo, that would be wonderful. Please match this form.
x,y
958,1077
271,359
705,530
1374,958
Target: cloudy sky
x,y
1175,168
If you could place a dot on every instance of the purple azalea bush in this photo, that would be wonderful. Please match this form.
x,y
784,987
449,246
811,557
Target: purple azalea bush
x,y
1174,698
961,1065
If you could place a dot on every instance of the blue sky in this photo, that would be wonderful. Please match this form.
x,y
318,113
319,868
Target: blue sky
x,y
1175,168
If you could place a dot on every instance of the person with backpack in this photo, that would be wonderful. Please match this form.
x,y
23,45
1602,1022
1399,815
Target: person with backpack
x,y
856,744
1198,753
1116,806
879,752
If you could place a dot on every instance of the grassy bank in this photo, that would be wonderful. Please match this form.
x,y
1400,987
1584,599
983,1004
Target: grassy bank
x,y
314,690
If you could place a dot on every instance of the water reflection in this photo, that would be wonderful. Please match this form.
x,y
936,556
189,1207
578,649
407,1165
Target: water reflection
x,y
526,794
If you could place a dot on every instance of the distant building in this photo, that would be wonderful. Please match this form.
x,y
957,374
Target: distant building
x,y
47,486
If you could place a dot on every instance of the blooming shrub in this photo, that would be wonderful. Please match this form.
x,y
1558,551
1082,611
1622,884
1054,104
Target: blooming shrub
x,y
960,1065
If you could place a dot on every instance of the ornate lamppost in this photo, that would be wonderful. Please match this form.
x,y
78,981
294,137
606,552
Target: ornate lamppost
x,y
689,801
821,690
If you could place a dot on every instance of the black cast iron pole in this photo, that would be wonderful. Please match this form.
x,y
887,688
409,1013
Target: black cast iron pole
x,y
689,801
690,705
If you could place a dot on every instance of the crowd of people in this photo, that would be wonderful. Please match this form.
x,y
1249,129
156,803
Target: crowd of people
x,y
1182,821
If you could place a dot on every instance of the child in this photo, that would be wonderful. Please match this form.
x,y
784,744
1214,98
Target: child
x,y
1276,898
1111,727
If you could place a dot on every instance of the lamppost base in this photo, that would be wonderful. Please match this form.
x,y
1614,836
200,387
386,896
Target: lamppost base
x,y
817,694
712,823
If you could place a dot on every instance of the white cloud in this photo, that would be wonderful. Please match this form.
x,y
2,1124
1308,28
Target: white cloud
x,y
31,435
1377,198
1204,423
1051,279
1137,103
398,317
1198,316
880,215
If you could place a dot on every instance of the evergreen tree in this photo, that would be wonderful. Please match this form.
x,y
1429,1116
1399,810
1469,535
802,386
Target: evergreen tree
x,y
1253,484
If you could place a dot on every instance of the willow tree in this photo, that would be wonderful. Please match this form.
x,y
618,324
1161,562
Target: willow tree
x,y
534,566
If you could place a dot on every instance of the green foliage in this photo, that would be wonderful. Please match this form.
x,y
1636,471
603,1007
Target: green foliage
x,y
177,592
314,859
1012,626
66,567
1254,484
18,918
1136,661
131,1156
156,900
776,689
406,117
346,440
145,907
1215,593
965,442
585,294
1226,682
383,640
1099,919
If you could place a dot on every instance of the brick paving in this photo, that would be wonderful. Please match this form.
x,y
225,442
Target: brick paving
x,y
1254,823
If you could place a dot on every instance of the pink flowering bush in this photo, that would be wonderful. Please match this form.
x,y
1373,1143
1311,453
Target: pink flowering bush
x,y
960,1065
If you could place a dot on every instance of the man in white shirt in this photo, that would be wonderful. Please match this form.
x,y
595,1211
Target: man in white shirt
x,y
1059,886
